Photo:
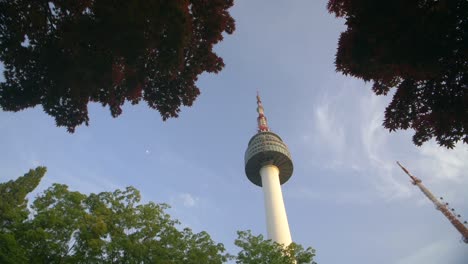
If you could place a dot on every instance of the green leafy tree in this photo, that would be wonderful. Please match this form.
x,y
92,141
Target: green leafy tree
x,y
109,227
257,250
13,202
13,211
418,47
61,226
64,54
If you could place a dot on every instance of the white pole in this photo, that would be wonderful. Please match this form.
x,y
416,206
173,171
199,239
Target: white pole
x,y
277,221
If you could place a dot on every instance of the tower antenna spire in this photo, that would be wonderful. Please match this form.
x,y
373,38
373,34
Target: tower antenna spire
x,y
443,208
261,119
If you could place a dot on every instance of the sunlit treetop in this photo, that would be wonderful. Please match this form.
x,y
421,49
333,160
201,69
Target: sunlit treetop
x,y
64,54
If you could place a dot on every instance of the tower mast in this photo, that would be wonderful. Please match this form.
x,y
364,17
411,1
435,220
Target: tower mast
x,y
268,164
439,206
261,119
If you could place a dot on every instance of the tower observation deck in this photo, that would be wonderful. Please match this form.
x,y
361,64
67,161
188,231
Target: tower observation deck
x,y
268,164
267,148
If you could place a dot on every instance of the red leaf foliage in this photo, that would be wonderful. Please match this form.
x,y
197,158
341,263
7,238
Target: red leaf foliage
x,y
64,54
420,48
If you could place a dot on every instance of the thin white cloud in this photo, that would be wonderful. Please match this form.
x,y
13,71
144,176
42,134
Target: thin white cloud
x,y
329,129
347,132
442,251
377,149
348,127
85,180
188,200
444,164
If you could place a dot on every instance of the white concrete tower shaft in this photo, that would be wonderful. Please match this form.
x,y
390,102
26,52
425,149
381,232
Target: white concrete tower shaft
x,y
275,212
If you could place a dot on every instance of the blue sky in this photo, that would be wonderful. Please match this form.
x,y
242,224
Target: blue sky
x,y
347,198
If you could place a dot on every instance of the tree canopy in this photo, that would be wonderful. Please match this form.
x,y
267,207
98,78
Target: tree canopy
x,y
421,49
64,54
257,250
63,226
13,212
109,227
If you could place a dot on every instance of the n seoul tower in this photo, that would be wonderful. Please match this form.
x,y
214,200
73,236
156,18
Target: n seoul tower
x,y
268,164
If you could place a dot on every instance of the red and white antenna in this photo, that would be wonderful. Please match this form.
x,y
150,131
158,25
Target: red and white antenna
x,y
261,119
449,213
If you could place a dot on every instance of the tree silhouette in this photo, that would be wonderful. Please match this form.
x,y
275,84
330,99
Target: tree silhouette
x,y
64,54
420,48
